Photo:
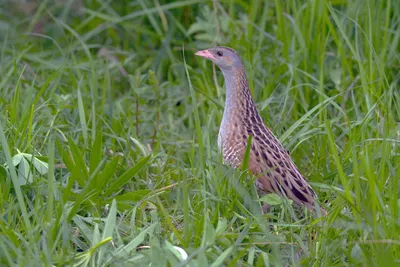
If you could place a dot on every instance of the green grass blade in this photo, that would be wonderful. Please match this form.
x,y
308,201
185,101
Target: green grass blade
x,y
128,175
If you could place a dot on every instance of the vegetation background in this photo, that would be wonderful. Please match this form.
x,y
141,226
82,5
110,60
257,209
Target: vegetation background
x,y
108,132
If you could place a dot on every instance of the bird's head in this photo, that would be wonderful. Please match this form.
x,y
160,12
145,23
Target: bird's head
x,y
224,57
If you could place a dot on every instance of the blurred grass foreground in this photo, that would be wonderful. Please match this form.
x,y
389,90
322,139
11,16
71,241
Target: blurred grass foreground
x,y
108,132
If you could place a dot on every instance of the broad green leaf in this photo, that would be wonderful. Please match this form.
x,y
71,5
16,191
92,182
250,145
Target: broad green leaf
x,y
271,199
128,175
17,159
41,166
24,172
27,156
106,175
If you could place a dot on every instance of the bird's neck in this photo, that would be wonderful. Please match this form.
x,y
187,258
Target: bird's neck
x,y
238,96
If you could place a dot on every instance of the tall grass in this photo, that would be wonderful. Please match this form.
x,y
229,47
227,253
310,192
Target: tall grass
x,y
108,132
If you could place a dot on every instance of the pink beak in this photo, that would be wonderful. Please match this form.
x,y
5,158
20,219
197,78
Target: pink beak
x,y
205,54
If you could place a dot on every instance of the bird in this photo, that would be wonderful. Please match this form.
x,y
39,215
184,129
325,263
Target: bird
x,y
268,160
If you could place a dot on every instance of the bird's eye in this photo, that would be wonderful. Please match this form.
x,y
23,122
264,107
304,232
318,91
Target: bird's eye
x,y
220,54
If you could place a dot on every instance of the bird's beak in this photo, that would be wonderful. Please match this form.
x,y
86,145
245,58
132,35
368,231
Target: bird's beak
x,y
205,54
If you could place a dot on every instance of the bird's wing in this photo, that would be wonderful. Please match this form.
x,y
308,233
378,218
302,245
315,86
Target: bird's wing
x,y
275,170
269,162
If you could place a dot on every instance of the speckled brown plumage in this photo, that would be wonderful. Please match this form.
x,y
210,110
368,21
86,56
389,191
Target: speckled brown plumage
x,y
268,161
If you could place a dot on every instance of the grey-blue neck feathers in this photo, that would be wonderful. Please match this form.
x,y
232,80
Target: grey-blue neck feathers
x,y
237,91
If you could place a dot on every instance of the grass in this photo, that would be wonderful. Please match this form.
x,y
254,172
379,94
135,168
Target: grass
x,y
109,122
